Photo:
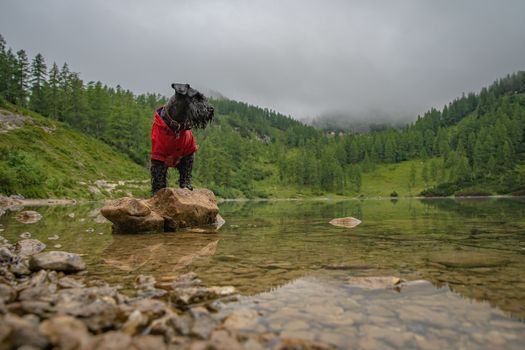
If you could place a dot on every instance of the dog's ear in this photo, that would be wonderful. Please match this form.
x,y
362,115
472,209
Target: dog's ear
x,y
181,88
192,93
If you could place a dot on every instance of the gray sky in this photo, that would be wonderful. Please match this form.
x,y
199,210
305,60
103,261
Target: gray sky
x,y
305,58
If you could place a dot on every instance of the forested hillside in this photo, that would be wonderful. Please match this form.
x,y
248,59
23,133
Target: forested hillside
x,y
474,145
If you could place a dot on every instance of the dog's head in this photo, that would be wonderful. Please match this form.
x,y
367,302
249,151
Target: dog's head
x,y
189,107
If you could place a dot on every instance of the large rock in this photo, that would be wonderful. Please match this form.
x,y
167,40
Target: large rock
x,y
170,209
183,208
58,261
132,215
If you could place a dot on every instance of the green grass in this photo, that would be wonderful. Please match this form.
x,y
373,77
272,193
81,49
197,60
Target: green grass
x,y
45,158
386,178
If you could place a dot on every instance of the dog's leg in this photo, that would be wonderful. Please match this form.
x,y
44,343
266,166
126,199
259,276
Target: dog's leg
x,y
185,167
159,176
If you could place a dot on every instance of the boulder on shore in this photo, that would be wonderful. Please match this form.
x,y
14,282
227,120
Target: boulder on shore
x,y
170,209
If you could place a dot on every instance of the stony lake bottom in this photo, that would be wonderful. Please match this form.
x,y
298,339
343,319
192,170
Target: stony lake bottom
x,y
463,262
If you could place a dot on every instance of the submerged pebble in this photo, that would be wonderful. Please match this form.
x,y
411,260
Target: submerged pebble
x,y
25,235
28,217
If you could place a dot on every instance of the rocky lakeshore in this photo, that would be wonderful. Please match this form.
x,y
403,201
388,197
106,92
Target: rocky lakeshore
x,y
48,300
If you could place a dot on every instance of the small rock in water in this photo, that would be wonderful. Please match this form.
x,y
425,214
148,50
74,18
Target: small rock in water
x,y
71,215
242,319
348,222
25,235
89,230
27,247
101,233
28,217
378,282
57,246
219,221
54,237
58,261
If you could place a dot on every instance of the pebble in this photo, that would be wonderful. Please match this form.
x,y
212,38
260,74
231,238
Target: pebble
x,y
25,235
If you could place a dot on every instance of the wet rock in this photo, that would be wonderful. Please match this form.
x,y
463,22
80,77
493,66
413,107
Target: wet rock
x,y
58,261
65,332
194,295
7,293
69,282
348,222
6,255
130,215
18,331
20,268
54,237
28,217
145,282
145,286
223,339
135,322
150,307
27,247
148,342
112,340
379,282
303,344
168,210
183,208
25,235
38,292
170,325
219,221
242,319
43,309
203,323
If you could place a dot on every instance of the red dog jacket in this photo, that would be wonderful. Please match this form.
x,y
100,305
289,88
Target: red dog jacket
x,y
168,146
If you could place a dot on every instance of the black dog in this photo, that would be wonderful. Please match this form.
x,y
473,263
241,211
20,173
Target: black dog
x,y
172,141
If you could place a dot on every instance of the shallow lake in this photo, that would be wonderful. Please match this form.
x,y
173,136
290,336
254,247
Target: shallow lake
x,y
463,262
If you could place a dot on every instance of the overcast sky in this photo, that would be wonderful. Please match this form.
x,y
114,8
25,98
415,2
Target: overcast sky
x,y
304,58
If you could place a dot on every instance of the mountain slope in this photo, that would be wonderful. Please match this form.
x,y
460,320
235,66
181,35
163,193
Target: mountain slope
x,y
40,157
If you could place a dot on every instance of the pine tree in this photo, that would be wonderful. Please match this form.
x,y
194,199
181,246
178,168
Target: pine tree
x,y
52,93
64,102
21,76
38,80
5,73
11,85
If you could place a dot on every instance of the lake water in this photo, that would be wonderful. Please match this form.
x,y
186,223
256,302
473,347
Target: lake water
x,y
463,262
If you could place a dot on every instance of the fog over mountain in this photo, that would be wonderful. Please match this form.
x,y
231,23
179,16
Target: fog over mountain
x,y
373,61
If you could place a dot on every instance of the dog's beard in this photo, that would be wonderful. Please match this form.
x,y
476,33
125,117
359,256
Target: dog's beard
x,y
199,114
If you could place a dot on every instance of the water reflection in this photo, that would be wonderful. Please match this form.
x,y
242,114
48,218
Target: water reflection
x,y
474,247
